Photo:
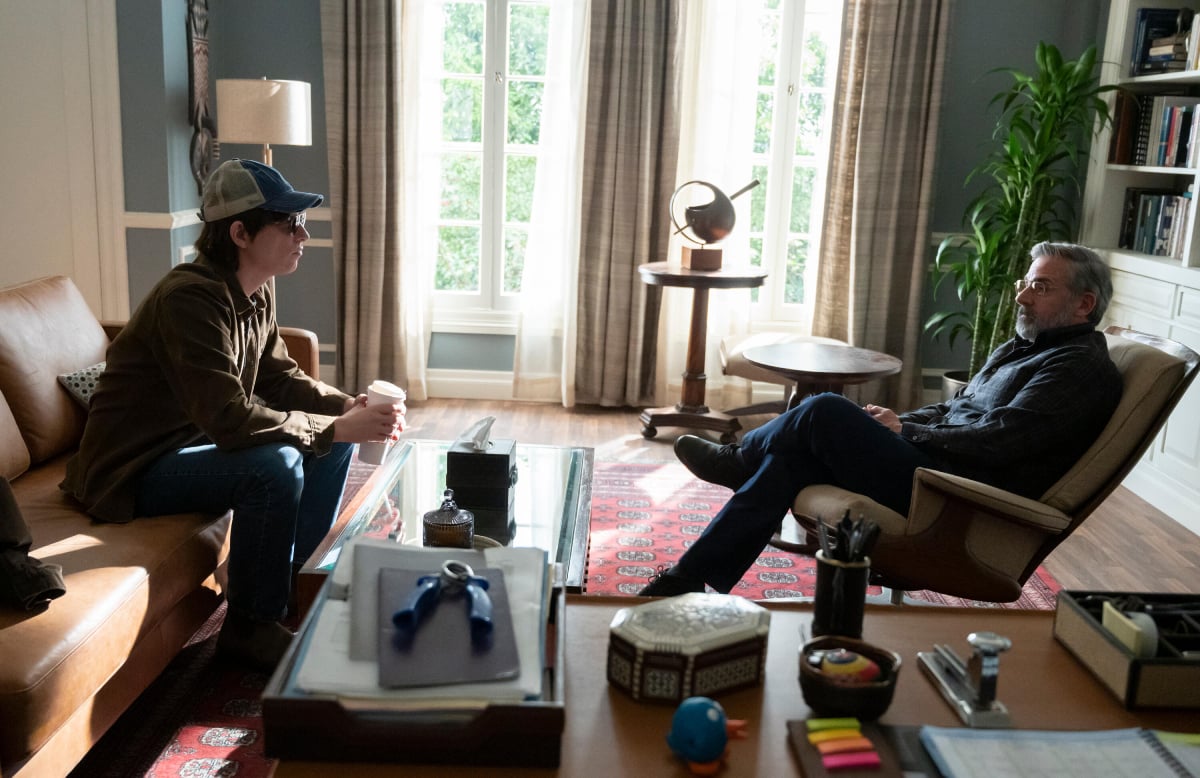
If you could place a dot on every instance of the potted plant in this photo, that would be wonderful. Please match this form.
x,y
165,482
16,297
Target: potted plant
x,y
1041,140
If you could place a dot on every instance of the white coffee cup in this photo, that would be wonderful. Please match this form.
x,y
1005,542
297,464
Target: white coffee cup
x,y
379,392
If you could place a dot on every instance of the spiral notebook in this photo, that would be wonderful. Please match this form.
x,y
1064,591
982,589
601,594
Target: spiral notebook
x,y
1135,753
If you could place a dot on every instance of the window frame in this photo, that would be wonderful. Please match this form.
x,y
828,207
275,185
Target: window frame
x,y
489,309
788,93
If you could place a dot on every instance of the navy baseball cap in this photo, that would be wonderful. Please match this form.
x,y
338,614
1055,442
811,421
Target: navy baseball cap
x,y
239,185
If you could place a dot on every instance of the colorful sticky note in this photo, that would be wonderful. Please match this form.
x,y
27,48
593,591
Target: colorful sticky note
x,y
862,760
844,745
816,725
832,734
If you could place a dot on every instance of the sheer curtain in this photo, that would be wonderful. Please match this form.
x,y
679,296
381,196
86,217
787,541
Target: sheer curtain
x,y
384,321
875,246
719,73
544,361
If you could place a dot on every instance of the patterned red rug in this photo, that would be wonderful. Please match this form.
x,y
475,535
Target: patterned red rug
x,y
645,515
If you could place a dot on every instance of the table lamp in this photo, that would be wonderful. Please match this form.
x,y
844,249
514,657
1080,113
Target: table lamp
x,y
264,111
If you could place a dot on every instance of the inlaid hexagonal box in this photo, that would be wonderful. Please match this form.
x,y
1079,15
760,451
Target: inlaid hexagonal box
x,y
691,645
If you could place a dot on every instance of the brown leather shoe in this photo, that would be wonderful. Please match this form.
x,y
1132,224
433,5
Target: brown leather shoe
x,y
712,462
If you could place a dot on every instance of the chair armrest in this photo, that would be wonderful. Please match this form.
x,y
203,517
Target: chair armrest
x,y
967,539
982,497
303,347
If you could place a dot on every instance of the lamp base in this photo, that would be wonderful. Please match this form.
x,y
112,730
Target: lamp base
x,y
701,259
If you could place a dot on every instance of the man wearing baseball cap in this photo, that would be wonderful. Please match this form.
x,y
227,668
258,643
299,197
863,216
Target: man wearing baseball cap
x,y
200,408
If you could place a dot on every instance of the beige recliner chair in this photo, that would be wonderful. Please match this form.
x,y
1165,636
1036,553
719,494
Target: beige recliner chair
x,y
967,539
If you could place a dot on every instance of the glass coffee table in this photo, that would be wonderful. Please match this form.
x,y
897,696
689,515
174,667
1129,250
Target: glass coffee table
x,y
552,506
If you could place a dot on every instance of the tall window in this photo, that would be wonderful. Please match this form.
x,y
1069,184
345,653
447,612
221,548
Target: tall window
x,y
491,65
796,78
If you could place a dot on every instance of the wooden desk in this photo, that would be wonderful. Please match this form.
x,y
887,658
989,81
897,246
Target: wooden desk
x,y
821,367
691,411
607,733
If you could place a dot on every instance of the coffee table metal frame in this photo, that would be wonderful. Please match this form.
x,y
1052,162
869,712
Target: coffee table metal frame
x,y
552,506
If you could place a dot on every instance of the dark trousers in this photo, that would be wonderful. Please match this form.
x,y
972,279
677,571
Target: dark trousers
x,y
25,582
826,439
283,501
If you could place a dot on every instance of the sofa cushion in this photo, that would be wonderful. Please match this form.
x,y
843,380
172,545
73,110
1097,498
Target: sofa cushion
x,y
123,580
14,456
46,329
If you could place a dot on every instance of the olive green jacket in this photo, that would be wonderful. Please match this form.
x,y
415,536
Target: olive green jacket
x,y
185,371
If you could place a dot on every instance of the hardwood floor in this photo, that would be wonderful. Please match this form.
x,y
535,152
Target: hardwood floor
x,y
1126,545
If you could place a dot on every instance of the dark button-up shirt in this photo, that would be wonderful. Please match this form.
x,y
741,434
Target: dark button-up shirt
x,y
1027,415
185,370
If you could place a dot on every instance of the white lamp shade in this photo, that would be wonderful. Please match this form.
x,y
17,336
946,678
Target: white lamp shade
x,y
258,110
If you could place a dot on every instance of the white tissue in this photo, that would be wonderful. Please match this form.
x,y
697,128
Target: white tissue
x,y
478,434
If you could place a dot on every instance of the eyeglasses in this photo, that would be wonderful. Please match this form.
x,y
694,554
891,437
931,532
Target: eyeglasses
x,y
1039,287
292,223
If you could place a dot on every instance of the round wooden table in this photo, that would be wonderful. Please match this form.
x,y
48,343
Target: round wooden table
x,y
691,411
821,367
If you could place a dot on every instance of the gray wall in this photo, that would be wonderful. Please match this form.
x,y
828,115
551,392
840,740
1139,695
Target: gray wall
x,y
266,38
281,39
985,35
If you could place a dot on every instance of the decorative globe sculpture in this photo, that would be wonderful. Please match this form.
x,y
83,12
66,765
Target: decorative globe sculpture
x,y
707,222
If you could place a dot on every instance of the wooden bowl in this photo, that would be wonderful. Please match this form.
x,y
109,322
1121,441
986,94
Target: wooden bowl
x,y
834,695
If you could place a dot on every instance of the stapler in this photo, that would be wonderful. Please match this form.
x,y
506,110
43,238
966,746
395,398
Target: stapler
x,y
970,686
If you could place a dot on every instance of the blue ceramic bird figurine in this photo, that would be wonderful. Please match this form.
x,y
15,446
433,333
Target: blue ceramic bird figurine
x,y
700,734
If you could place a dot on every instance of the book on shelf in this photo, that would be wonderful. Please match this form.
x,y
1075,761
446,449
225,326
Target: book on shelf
x,y
1165,26
1151,67
1123,142
1170,51
1169,40
1142,140
1164,131
1153,221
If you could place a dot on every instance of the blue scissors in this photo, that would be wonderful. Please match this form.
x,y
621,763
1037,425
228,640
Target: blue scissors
x,y
455,580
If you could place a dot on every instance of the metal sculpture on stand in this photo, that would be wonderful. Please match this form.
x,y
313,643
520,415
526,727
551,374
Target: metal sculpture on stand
x,y
705,223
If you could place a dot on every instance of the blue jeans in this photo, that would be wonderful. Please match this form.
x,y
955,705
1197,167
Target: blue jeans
x,y
283,500
826,439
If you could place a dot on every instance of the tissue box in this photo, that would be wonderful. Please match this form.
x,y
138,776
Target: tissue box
x,y
691,645
484,482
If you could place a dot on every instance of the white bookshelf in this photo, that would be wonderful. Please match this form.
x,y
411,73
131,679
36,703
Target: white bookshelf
x,y
1155,294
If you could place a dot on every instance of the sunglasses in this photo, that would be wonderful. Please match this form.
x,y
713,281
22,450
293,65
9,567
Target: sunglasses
x,y
292,222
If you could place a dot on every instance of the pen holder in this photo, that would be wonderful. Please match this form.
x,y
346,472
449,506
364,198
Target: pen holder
x,y
841,594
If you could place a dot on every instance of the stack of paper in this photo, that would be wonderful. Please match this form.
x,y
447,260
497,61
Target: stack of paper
x,y
339,654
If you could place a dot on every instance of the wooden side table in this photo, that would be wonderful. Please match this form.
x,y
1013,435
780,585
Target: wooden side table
x,y
691,411
822,367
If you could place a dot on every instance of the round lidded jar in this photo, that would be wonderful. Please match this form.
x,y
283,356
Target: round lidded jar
x,y
449,526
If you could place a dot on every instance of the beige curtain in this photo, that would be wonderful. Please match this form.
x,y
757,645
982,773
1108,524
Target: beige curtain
x,y
381,331
875,245
631,147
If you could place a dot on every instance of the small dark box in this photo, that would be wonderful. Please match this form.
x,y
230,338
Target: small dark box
x,y
484,482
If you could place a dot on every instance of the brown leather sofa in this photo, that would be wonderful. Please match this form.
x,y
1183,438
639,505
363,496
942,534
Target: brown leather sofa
x,y
135,592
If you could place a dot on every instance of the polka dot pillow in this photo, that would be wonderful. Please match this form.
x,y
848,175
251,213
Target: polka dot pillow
x,y
82,383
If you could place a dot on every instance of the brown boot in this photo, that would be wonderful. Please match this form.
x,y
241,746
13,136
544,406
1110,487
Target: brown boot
x,y
259,644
